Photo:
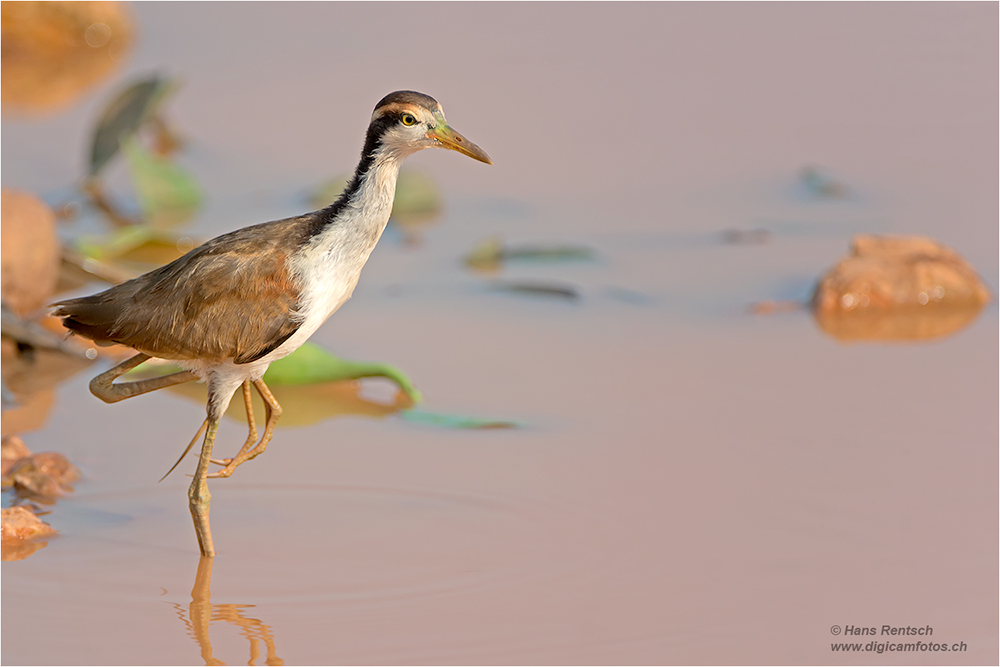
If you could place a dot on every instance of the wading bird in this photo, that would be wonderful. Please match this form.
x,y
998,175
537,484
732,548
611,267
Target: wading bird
x,y
230,307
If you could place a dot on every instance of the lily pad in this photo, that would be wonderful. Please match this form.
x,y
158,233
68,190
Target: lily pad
x,y
167,192
123,117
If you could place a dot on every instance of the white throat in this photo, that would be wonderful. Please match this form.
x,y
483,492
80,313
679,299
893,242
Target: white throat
x,y
329,266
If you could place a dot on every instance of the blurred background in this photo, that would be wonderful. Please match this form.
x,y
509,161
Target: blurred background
x,y
653,388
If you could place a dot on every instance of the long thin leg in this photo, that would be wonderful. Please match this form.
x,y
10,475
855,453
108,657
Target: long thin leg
x,y
273,412
251,421
103,388
199,496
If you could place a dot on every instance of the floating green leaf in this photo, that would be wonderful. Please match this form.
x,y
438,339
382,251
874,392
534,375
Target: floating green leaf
x,y
456,421
329,192
311,364
123,117
558,290
417,196
114,244
126,251
540,253
820,184
491,253
167,193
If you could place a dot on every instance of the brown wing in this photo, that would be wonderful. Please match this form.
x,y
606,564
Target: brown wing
x,y
229,299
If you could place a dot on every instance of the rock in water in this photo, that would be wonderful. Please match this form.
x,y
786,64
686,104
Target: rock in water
x,y
21,533
898,288
30,251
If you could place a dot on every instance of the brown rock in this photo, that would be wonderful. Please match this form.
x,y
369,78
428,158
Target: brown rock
x,y
21,533
898,288
29,251
43,476
12,450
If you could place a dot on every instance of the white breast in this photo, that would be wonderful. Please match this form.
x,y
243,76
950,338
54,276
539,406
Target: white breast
x,y
329,267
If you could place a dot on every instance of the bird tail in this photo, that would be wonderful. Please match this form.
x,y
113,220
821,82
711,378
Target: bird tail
x,y
82,317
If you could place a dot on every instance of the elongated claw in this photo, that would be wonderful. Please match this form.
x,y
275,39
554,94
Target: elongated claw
x,y
197,435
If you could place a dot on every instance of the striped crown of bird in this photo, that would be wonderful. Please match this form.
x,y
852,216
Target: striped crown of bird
x,y
230,307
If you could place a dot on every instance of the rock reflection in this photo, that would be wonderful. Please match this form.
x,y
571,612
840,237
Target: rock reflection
x,y
901,324
201,613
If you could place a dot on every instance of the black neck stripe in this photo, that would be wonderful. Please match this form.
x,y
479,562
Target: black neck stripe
x,y
373,141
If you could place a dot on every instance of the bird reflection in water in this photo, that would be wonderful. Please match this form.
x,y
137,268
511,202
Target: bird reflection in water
x,y
201,613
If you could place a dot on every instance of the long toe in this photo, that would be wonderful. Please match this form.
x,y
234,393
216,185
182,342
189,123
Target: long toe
x,y
225,472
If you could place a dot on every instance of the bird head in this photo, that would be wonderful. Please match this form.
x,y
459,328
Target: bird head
x,y
406,122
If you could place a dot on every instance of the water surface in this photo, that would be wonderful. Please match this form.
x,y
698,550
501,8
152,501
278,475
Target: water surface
x,y
693,484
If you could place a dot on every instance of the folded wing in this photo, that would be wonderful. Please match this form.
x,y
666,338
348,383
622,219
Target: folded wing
x,y
231,299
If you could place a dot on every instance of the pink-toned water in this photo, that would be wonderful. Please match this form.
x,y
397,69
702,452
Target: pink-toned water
x,y
693,484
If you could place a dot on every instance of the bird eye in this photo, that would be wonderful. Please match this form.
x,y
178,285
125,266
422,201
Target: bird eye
x,y
408,119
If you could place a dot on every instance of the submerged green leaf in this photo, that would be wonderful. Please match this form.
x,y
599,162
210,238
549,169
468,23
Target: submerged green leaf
x,y
456,421
123,117
167,193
